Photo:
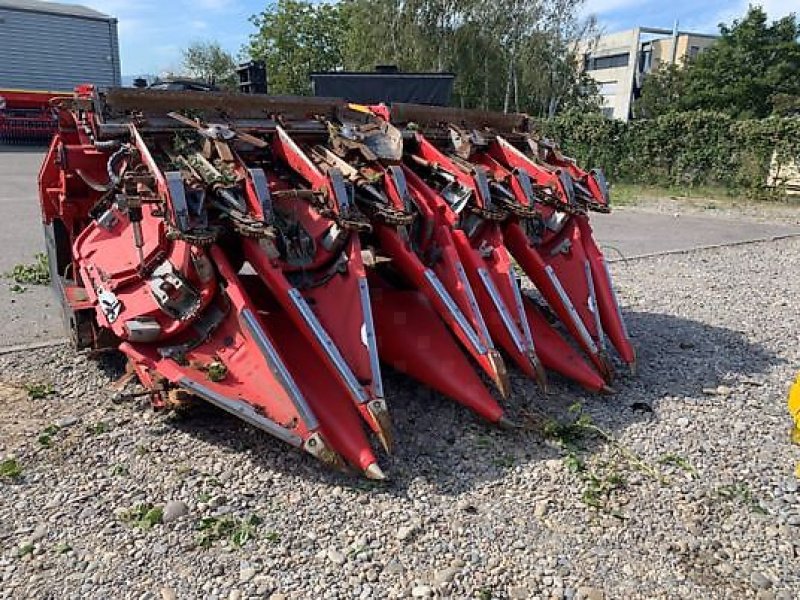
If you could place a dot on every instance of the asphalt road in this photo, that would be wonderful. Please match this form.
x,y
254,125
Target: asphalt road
x,y
33,315
628,232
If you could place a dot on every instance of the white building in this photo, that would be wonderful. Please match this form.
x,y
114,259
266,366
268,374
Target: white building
x,y
618,62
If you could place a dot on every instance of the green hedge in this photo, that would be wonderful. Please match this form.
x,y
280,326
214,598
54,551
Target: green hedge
x,y
689,148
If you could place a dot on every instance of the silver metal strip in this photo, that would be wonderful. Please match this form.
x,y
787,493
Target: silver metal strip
x,y
473,303
339,189
576,319
523,318
262,191
327,344
525,183
587,268
508,147
453,309
501,307
372,344
241,409
286,138
616,302
602,183
177,193
399,178
278,368
482,182
569,189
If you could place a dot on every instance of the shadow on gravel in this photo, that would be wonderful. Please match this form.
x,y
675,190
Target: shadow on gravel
x,y
440,443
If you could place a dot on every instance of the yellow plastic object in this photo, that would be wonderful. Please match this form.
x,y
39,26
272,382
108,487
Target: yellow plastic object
x,y
359,108
794,408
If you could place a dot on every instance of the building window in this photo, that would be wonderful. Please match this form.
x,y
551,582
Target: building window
x,y
646,59
607,112
607,88
693,52
613,61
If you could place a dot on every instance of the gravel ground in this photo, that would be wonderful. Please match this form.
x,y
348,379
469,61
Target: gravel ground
x,y
681,486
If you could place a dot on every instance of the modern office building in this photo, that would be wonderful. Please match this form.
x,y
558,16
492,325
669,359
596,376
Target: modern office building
x,y
619,62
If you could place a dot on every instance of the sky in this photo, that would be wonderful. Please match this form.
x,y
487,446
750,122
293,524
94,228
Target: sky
x,y
153,32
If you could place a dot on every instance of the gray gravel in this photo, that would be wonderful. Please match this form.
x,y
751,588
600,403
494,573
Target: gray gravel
x,y
695,496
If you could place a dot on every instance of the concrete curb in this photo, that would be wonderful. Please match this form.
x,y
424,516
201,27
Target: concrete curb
x,y
774,238
33,346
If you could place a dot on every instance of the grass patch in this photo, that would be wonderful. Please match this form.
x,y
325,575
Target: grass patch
x,y
600,481
679,462
35,273
63,548
10,469
119,470
709,197
46,436
98,428
144,516
740,492
631,194
39,391
237,531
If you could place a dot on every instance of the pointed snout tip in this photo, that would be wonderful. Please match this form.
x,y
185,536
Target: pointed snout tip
x,y
506,423
374,472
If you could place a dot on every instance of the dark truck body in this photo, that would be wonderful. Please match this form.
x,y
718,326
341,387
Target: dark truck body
x,y
385,85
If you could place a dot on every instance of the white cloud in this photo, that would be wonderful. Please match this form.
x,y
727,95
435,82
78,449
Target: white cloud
x,y
778,8
775,9
214,5
600,7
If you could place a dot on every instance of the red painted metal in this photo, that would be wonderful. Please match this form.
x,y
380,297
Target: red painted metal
x,y
415,342
26,116
486,260
558,355
576,248
610,313
337,303
227,261
422,251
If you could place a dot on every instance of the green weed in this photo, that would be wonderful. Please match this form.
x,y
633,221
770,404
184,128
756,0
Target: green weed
x,y
35,273
144,516
39,391
10,469
46,436
237,531
740,492
678,461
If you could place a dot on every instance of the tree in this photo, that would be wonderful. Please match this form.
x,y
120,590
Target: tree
x,y
508,54
554,76
750,71
209,62
294,38
663,91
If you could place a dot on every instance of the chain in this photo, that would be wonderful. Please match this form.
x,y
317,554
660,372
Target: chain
x,y
489,214
195,237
